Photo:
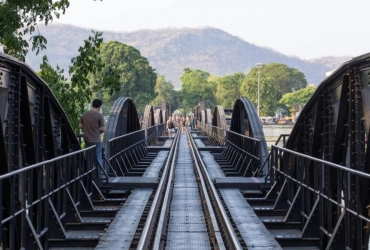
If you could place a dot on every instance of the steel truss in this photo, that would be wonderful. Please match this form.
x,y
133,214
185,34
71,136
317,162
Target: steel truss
x,y
148,117
128,154
162,113
245,121
45,179
245,147
152,129
322,176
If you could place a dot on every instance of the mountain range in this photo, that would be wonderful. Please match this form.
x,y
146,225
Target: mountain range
x,y
171,50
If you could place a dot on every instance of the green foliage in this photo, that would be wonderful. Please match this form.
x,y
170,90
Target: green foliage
x,y
296,99
228,89
88,62
74,95
54,78
165,93
64,93
196,86
19,18
182,111
125,73
275,80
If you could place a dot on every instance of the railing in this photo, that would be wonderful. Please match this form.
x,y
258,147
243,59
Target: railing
x,y
125,150
216,135
118,146
248,146
267,163
327,198
154,132
282,139
41,210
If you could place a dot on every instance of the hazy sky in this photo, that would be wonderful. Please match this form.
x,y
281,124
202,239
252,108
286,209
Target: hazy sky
x,y
307,29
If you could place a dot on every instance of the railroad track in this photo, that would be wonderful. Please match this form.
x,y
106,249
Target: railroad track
x,y
186,212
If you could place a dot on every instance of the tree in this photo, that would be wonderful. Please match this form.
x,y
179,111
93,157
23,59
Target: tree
x,y
165,93
228,89
21,17
275,80
125,73
195,87
55,79
75,94
297,99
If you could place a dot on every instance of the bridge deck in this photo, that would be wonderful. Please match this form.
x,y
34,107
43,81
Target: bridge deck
x,y
51,198
252,230
121,231
187,227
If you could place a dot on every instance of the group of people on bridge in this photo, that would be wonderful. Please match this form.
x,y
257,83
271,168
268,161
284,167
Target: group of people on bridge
x,y
92,124
178,121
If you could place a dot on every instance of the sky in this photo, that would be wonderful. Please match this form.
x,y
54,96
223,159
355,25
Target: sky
x,y
306,29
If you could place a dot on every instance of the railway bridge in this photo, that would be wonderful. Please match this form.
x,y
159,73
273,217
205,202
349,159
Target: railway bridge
x,y
213,187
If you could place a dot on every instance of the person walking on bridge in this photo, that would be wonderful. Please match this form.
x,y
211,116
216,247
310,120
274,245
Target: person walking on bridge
x,y
170,127
93,125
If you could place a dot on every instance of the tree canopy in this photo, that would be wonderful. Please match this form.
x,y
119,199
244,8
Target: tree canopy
x,y
196,86
165,93
125,73
228,89
19,18
296,99
275,80
75,94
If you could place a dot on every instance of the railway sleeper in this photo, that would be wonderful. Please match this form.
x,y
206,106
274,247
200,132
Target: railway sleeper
x,y
74,242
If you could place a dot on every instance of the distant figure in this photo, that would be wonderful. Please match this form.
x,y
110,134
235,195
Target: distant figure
x,y
192,123
183,124
170,126
93,125
141,121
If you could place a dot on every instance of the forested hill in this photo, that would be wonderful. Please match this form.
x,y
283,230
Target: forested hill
x,y
169,51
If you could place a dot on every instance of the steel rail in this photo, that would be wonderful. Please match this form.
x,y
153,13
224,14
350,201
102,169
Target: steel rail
x,y
229,232
215,232
166,202
145,239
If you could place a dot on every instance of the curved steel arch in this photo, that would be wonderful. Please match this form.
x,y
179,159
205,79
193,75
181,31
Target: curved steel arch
x,y
219,118
218,121
209,116
245,121
148,118
334,127
33,128
33,125
165,112
336,120
198,111
158,116
123,119
203,116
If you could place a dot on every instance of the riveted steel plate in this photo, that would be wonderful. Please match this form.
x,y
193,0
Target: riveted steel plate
x,y
213,168
188,240
195,227
118,236
252,230
156,165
